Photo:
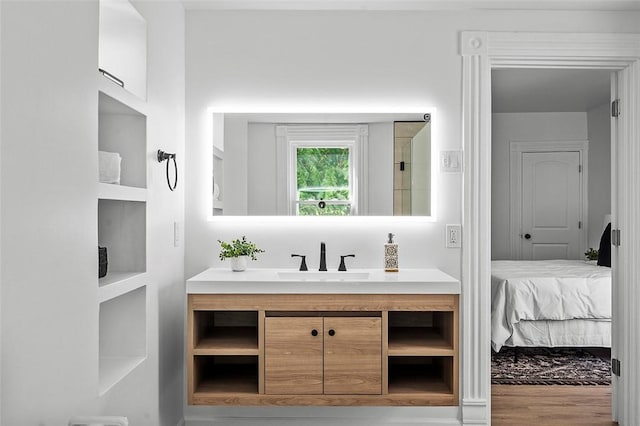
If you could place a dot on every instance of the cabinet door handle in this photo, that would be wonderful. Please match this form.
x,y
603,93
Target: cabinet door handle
x,y
332,332
314,332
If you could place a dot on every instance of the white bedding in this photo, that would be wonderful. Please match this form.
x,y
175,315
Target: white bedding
x,y
567,333
545,290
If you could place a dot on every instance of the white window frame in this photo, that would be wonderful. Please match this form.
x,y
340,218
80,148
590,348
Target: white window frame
x,y
291,137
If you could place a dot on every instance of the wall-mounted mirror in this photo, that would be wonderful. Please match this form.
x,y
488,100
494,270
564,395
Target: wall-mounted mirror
x,y
122,46
373,164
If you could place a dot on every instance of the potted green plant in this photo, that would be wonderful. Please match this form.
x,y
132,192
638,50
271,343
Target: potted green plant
x,y
591,255
239,251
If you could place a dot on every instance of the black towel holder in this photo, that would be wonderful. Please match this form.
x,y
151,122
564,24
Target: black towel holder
x,y
168,156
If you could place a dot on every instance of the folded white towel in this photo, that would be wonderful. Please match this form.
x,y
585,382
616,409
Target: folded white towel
x,y
109,167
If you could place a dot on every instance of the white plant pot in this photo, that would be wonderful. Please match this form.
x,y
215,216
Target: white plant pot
x,y
239,264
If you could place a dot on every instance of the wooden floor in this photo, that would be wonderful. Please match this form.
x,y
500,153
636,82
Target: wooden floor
x,y
551,405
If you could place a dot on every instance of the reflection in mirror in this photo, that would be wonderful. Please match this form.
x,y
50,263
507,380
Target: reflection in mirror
x,y
312,164
412,168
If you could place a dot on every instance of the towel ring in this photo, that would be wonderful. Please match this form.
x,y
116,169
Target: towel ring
x,y
168,156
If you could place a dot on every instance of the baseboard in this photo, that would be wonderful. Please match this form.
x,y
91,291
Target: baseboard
x,y
475,412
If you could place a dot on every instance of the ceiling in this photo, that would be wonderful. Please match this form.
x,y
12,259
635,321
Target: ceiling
x,y
412,4
548,90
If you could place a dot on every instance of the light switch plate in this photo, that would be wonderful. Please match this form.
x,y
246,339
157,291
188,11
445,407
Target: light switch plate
x,y
453,236
451,161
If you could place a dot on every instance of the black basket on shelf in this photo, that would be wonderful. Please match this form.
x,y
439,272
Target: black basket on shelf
x,y
102,261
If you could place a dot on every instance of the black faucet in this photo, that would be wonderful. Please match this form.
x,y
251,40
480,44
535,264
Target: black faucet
x,y
323,257
303,264
342,266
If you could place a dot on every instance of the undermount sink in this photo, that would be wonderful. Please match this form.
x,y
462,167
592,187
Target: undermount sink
x,y
323,276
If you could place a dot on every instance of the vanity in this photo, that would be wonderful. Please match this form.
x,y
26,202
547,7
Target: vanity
x,y
356,338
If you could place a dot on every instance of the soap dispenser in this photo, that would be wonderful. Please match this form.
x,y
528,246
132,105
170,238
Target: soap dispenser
x,y
391,255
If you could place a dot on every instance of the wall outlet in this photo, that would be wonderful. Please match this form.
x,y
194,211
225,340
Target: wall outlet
x,y
453,236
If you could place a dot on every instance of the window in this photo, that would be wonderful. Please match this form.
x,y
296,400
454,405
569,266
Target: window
x,y
323,180
322,173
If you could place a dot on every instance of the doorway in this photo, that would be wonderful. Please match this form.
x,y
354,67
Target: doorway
x,y
481,51
551,146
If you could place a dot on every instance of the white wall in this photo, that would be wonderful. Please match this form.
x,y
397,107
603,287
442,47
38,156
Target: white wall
x,y
381,147
165,262
520,127
511,127
324,60
262,194
49,163
599,129
49,207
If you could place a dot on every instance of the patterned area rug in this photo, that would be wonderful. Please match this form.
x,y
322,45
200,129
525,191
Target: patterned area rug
x,y
551,366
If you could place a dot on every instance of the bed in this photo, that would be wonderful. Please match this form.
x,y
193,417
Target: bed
x,y
550,303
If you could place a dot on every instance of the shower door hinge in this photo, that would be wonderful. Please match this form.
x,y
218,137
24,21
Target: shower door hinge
x,y
615,237
615,108
615,366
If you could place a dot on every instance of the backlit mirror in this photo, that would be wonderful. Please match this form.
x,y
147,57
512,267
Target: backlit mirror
x,y
369,164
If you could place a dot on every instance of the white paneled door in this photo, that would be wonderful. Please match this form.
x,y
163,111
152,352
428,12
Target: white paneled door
x,y
551,205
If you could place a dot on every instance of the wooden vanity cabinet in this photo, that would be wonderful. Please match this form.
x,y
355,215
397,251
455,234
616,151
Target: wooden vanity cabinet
x,y
323,355
323,349
352,356
293,356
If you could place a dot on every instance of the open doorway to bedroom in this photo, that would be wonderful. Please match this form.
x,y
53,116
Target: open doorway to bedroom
x,y
551,204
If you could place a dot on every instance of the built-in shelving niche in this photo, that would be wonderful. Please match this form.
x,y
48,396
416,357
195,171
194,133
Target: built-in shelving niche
x,y
122,229
123,130
123,329
122,208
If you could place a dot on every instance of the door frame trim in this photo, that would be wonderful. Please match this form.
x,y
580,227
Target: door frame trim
x,y
516,149
481,51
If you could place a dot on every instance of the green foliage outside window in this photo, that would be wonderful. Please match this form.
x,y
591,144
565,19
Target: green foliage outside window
x,y
323,174
329,210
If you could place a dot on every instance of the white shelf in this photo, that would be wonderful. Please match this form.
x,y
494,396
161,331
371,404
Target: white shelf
x,y
113,369
118,283
123,96
108,191
122,334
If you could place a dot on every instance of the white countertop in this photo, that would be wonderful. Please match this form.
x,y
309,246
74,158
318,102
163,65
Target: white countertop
x,y
283,281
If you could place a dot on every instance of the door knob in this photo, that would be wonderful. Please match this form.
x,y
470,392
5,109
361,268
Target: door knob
x,y
332,332
314,332
527,236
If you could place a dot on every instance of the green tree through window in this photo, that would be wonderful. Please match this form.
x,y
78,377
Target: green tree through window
x,y
323,174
